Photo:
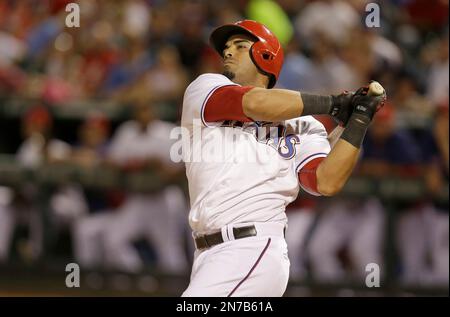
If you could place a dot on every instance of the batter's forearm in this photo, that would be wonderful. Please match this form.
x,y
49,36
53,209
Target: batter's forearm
x,y
272,105
328,175
334,171
281,104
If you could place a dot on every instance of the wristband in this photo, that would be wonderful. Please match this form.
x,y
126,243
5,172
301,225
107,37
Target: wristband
x,y
356,129
316,104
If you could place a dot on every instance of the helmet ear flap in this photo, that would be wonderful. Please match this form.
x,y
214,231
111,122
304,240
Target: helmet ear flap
x,y
263,58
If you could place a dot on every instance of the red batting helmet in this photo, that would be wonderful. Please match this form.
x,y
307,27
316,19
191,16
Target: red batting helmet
x,y
266,52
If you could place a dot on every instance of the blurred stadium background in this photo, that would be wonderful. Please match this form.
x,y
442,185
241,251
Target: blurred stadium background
x,y
82,181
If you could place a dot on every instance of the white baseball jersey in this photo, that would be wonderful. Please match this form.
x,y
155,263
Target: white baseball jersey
x,y
247,172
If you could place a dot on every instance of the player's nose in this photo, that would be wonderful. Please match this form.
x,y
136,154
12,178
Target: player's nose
x,y
227,53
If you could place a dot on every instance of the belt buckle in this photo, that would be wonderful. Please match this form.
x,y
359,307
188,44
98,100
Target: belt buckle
x,y
244,232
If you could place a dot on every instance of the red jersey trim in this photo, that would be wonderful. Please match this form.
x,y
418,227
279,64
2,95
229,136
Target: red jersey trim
x,y
225,103
307,176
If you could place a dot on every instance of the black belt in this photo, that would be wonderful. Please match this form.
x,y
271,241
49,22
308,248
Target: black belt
x,y
209,240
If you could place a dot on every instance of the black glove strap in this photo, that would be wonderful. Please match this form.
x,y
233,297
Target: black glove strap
x,y
356,129
316,104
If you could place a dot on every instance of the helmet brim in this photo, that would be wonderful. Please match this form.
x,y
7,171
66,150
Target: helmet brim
x,y
220,36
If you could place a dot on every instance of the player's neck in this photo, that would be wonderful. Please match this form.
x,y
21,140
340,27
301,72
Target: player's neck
x,y
261,82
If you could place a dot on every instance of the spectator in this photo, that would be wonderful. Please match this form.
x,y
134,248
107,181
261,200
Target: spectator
x,y
89,231
438,81
158,217
37,149
423,233
301,215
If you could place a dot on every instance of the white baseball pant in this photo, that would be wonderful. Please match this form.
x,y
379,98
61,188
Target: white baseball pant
x,y
254,266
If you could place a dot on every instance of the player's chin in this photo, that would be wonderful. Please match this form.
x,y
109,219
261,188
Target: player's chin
x,y
228,73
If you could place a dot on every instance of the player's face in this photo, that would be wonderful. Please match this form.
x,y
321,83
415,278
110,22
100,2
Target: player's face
x,y
237,63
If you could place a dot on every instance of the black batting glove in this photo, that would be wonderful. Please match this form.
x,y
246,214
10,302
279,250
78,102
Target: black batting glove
x,y
364,108
341,107
367,105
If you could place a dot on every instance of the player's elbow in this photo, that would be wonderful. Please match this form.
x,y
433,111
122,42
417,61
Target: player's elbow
x,y
329,183
326,187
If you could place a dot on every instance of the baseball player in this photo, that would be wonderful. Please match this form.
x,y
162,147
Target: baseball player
x,y
238,205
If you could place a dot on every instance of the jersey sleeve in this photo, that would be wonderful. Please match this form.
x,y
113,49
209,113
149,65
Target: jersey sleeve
x,y
313,144
225,103
197,95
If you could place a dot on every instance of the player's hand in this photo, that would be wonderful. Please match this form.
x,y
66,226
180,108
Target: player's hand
x,y
342,107
365,104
